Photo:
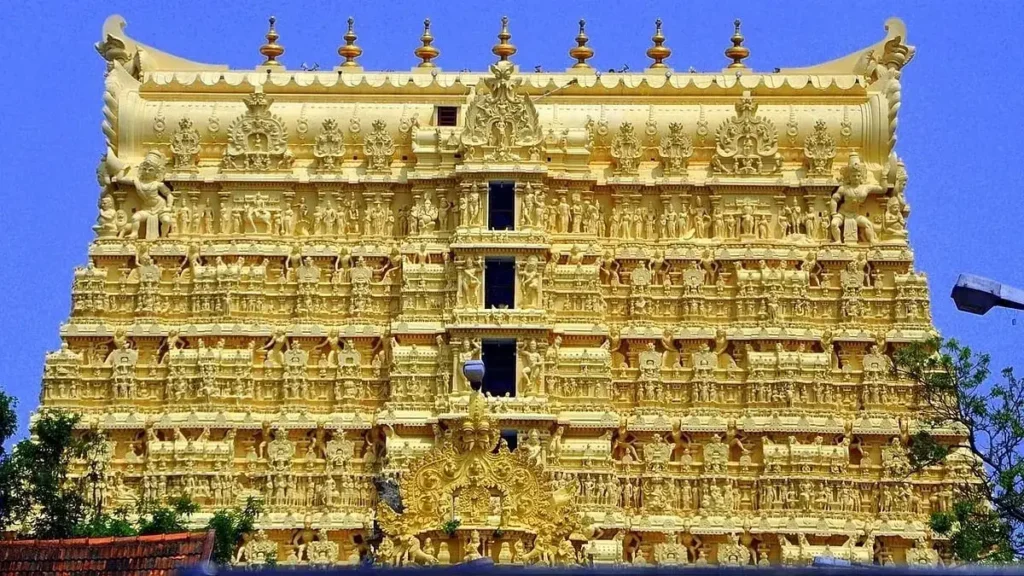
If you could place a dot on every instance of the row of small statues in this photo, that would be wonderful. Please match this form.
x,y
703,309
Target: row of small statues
x,y
157,215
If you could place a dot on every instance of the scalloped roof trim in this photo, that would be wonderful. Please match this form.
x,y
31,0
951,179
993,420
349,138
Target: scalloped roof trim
x,y
532,81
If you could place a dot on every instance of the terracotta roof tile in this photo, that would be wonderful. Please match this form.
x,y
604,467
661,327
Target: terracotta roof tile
x,y
156,555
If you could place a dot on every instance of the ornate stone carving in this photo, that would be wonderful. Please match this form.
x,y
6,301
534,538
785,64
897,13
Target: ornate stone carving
x,y
676,150
329,146
626,150
732,553
458,479
185,145
501,121
746,144
819,150
155,198
848,224
258,139
379,148
290,331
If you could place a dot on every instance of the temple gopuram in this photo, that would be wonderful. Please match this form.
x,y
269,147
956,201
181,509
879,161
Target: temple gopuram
x,y
685,288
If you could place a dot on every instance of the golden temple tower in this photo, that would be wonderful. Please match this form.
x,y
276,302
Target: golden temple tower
x,y
685,289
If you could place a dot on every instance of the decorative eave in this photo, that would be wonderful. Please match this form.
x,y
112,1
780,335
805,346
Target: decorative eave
x,y
854,63
534,84
161,72
153,59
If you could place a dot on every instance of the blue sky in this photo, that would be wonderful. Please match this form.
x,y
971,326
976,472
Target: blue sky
x,y
959,133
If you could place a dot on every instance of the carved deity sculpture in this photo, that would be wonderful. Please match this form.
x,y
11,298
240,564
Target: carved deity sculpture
x,y
894,224
530,281
468,350
329,146
108,222
185,145
500,120
155,198
848,224
819,150
676,150
626,150
533,367
470,284
258,139
746,144
379,148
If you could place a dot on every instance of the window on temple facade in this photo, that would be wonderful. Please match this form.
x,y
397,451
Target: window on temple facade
x,y
501,206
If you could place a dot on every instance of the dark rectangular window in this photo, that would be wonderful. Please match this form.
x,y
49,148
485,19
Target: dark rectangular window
x,y
499,356
500,282
501,206
511,436
447,115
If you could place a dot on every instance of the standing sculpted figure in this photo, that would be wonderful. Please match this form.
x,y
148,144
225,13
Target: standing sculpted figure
x,y
155,198
530,283
474,205
847,222
469,283
533,366
468,350
529,205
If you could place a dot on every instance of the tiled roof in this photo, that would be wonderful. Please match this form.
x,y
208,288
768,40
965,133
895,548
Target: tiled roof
x,y
138,556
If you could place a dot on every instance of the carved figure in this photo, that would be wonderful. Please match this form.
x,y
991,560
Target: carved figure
x,y
155,198
847,221
626,149
470,284
501,120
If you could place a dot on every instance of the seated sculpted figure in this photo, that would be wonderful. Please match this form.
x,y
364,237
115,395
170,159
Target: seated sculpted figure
x,y
155,198
847,221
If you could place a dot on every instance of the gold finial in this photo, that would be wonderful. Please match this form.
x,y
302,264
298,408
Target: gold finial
x,y
350,51
581,51
737,51
272,50
503,49
427,52
658,52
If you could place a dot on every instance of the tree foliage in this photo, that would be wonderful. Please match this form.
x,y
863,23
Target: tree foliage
x,y
987,518
39,496
10,483
166,519
231,527
37,477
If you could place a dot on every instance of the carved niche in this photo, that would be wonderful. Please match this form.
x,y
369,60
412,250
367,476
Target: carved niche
x,y
501,120
258,139
185,145
819,150
379,148
329,146
746,144
675,149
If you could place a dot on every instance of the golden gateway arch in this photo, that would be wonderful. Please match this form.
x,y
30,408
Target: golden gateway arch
x,y
686,288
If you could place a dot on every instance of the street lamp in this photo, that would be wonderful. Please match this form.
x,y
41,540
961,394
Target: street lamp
x,y
473,370
978,295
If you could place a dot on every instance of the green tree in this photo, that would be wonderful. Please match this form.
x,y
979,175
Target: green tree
x,y
166,519
39,469
231,527
986,520
11,488
105,525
